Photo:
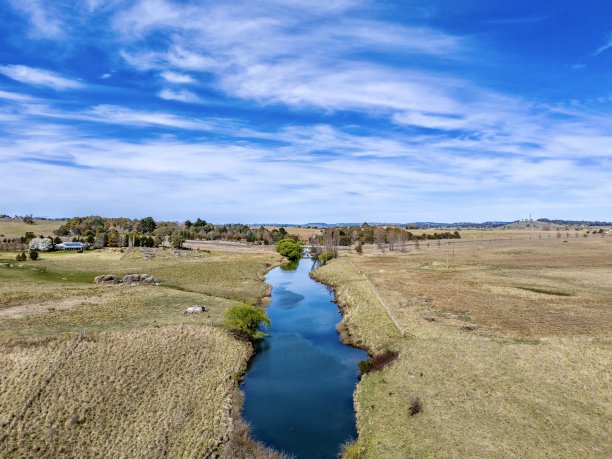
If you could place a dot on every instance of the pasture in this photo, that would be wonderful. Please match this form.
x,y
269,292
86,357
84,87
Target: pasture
x,y
506,344
92,370
15,227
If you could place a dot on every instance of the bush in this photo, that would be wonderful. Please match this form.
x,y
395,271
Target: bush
x,y
415,406
244,321
289,248
350,450
33,255
378,362
177,242
365,366
324,257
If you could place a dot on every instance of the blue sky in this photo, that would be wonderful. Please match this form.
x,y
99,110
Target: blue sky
x,y
305,110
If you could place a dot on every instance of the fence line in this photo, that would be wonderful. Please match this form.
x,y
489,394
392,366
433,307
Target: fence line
x,y
391,315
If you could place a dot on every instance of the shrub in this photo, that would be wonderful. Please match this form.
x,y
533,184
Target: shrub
x,y
289,248
350,450
244,321
324,257
33,255
177,242
378,362
415,406
365,366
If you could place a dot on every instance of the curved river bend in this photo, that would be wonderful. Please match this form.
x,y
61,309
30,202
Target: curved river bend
x,y
299,385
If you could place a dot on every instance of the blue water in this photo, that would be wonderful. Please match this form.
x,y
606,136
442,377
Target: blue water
x,y
299,386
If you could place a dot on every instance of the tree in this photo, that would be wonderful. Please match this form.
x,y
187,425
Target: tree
x,y
177,241
33,255
244,321
146,225
28,219
289,248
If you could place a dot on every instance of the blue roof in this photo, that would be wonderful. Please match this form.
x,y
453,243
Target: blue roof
x,y
71,244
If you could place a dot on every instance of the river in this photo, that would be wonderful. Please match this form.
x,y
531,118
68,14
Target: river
x,y
299,385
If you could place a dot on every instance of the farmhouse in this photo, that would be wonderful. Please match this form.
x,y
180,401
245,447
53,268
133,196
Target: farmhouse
x,y
78,246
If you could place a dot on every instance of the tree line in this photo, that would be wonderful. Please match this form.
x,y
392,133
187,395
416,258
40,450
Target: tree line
x,y
124,232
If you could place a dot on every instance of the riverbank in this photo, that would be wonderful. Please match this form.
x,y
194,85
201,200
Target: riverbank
x,y
506,352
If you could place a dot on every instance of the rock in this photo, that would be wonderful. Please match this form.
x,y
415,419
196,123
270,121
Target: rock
x,y
144,278
196,309
41,244
106,279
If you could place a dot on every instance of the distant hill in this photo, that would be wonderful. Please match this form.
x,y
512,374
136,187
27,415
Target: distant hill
x,y
575,222
517,224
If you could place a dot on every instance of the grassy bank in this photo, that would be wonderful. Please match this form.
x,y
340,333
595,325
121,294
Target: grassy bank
x,y
505,344
120,369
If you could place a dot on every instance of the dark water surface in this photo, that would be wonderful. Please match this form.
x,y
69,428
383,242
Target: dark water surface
x,y
299,386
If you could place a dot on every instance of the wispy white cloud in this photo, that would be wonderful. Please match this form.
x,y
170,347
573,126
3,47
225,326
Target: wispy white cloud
x,y
290,63
39,77
14,96
603,48
178,78
120,115
42,16
180,95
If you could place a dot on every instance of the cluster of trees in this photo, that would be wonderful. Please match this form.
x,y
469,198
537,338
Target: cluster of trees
x,y
200,229
124,232
391,236
29,235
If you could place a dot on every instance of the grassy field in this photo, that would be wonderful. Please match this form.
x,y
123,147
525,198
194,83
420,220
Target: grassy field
x,y
15,227
120,370
302,233
507,345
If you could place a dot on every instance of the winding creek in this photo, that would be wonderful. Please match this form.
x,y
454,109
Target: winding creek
x,y
299,385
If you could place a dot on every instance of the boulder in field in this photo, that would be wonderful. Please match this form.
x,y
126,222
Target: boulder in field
x,y
140,278
106,279
196,309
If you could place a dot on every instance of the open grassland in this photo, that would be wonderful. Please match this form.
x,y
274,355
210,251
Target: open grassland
x,y
15,227
507,344
96,370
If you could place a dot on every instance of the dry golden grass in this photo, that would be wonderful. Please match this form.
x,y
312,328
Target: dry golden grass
x,y
15,227
145,380
149,392
508,350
